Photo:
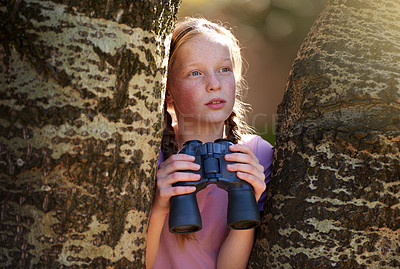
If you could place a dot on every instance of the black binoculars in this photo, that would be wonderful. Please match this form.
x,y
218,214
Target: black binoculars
x,y
184,216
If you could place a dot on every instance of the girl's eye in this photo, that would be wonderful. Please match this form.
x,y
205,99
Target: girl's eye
x,y
195,73
224,69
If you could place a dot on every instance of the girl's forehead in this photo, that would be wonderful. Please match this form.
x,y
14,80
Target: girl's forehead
x,y
200,47
205,42
211,37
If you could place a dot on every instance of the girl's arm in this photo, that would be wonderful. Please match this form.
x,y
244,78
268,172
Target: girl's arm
x,y
153,236
236,248
167,174
235,251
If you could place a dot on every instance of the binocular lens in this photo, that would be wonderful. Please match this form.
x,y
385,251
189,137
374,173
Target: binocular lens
x,y
184,214
186,229
244,224
242,209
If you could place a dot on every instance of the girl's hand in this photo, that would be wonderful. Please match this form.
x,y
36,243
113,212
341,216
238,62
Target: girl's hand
x,y
247,167
167,174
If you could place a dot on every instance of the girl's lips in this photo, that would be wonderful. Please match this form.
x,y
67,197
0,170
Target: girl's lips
x,y
216,103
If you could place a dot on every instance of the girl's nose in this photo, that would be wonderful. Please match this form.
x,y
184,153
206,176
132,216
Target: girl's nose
x,y
214,84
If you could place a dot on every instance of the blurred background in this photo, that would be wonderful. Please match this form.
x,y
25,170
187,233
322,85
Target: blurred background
x,y
270,32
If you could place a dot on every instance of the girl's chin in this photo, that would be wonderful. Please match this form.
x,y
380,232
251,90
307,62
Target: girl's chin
x,y
209,116
199,124
216,118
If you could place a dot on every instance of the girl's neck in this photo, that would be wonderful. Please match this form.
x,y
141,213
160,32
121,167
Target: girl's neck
x,y
203,133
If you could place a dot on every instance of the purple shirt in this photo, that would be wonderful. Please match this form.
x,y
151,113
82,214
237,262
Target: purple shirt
x,y
213,201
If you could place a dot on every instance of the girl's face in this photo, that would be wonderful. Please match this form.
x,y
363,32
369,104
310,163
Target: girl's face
x,y
201,82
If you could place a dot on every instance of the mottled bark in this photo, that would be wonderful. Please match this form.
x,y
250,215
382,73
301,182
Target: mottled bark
x,y
335,191
80,127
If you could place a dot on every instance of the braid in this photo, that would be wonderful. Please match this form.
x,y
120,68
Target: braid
x,y
231,128
168,143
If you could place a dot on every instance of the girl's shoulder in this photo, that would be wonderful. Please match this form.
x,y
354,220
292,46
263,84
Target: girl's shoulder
x,y
256,142
261,148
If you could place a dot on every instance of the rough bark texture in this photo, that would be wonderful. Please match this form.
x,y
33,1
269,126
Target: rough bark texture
x,y
335,191
80,127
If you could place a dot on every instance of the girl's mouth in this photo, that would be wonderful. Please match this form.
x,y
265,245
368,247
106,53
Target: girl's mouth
x,y
216,103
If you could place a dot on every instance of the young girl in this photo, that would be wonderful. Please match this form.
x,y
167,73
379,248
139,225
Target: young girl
x,y
204,81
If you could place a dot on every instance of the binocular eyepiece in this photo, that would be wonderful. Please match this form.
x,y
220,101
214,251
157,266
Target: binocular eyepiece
x,y
184,216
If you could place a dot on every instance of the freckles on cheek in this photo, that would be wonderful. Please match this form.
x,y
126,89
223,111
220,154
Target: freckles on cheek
x,y
186,95
187,104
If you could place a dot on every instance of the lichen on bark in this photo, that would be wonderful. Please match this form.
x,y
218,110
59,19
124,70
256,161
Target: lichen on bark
x,y
335,190
81,111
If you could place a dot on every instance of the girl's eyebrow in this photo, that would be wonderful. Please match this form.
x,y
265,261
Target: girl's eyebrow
x,y
195,63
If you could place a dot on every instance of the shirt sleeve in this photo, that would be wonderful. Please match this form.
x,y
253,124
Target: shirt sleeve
x,y
264,152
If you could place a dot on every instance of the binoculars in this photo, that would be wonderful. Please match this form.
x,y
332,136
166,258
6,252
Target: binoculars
x,y
184,216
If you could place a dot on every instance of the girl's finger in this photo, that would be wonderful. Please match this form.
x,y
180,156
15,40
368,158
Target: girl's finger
x,y
258,185
176,157
247,168
242,148
242,154
177,166
245,159
176,177
167,193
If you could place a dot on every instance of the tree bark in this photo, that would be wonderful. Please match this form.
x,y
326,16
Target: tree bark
x,y
82,88
335,190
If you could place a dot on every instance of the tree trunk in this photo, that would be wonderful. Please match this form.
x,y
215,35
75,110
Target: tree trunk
x,y
335,191
81,109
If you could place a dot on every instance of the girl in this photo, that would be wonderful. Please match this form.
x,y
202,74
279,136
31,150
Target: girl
x,y
204,81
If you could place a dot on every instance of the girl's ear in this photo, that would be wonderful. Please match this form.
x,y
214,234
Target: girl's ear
x,y
168,97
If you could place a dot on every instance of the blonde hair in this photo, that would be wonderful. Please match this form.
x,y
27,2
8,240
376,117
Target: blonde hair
x,y
235,124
